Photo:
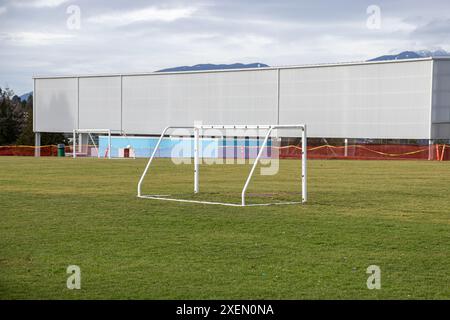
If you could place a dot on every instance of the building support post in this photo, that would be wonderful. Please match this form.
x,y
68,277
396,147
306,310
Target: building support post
x,y
74,144
37,144
346,147
235,148
224,149
257,143
430,149
109,146
196,159
80,142
247,148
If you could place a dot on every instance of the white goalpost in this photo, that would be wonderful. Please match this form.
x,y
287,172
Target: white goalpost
x,y
197,134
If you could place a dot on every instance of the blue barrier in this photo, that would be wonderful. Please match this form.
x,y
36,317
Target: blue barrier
x,y
229,148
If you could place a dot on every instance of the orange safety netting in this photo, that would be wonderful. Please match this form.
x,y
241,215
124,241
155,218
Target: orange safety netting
x,y
371,152
439,152
45,151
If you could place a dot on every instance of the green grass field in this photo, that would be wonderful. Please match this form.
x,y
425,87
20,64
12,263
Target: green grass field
x,y
58,211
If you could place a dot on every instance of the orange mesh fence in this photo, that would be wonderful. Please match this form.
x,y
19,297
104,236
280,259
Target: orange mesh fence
x,y
439,152
371,152
45,151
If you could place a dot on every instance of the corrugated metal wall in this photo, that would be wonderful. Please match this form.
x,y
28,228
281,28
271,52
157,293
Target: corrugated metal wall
x,y
360,101
375,100
55,105
100,105
152,102
441,100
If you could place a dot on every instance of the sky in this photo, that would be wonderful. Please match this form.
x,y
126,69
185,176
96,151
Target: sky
x,y
64,37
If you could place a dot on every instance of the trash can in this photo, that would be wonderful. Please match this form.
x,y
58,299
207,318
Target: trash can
x,y
61,150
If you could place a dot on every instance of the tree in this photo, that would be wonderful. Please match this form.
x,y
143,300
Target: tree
x,y
10,117
26,137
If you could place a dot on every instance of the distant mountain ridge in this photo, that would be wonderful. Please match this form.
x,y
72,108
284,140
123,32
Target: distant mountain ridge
x,y
198,67
436,53
209,66
25,96
413,55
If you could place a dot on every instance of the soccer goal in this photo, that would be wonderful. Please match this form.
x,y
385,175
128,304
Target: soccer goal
x,y
198,134
85,143
98,143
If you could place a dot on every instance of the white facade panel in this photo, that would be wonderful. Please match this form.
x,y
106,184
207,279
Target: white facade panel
x,y
56,105
390,100
100,103
152,102
387,101
441,100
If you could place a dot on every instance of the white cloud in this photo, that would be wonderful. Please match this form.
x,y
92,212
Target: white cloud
x,y
34,38
200,31
396,24
2,10
146,14
39,3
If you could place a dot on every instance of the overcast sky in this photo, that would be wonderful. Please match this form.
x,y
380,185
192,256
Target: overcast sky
x,y
46,37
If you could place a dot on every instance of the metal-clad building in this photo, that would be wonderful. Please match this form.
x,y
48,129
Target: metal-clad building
x,y
405,99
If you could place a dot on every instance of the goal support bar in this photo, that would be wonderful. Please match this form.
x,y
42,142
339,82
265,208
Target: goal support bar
x,y
196,131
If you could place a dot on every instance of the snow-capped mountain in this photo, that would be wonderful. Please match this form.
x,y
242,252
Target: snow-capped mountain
x,y
413,55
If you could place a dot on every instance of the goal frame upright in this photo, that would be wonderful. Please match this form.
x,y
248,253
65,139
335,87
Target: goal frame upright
x,y
196,132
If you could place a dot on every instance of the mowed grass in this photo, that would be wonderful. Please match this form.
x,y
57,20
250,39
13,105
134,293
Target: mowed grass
x,y
57,212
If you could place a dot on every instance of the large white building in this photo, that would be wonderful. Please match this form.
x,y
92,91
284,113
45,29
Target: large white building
x,y
404,99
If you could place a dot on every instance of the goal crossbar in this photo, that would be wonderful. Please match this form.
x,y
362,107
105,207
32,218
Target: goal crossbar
x,y
196,130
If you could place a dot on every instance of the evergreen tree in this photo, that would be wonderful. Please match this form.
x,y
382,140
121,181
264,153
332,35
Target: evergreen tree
x,y
10,118
26,137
